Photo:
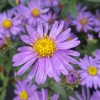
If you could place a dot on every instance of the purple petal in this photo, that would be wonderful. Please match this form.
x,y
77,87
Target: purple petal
x,y
68,44
24,68
55,97
33,71
54,28
40,71
31,31
40,29
24,60
49,69
63,36
26,39
59,29
24,48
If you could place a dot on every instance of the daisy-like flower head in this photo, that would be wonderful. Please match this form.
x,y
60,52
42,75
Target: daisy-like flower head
x,y
35,12
4,42
50,18
25,91
72,78
96,95
9,24
48,51
84,96
90,72
84,22
68,21
43,95
97,21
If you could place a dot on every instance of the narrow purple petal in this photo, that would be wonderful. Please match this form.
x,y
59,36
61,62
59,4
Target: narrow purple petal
x,y
63,36
26,39
59,29
24,68
68,44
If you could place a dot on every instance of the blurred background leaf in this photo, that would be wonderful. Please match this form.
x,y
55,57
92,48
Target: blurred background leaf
x,y
69,8
93,0
12,2
59,88
2,4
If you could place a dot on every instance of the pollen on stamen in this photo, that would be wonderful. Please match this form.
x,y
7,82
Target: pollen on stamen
x,y
92,70
23,95
36,12
7,23
44,47
83,21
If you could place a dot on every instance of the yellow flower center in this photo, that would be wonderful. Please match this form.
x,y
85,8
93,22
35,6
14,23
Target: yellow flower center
x,y
69,39
44,47
92,70
23,95
7,23
17,2
36,12
83,21
66,19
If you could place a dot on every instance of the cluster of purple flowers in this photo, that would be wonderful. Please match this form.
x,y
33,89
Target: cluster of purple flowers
x,y
50,50
28,91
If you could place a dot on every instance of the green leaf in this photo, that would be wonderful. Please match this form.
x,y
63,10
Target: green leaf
x,y
60,89
73,9
2,4
93,0
64,12
26,1
70,8
12,3
64,1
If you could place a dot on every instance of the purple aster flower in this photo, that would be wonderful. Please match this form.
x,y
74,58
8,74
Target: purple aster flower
x,y
68,21
84,22
84,96
90,37
48,51
19,15
35,12
58,8
25,91
72,78
97,21
96,95
50,18
9,24
43,95
90,72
